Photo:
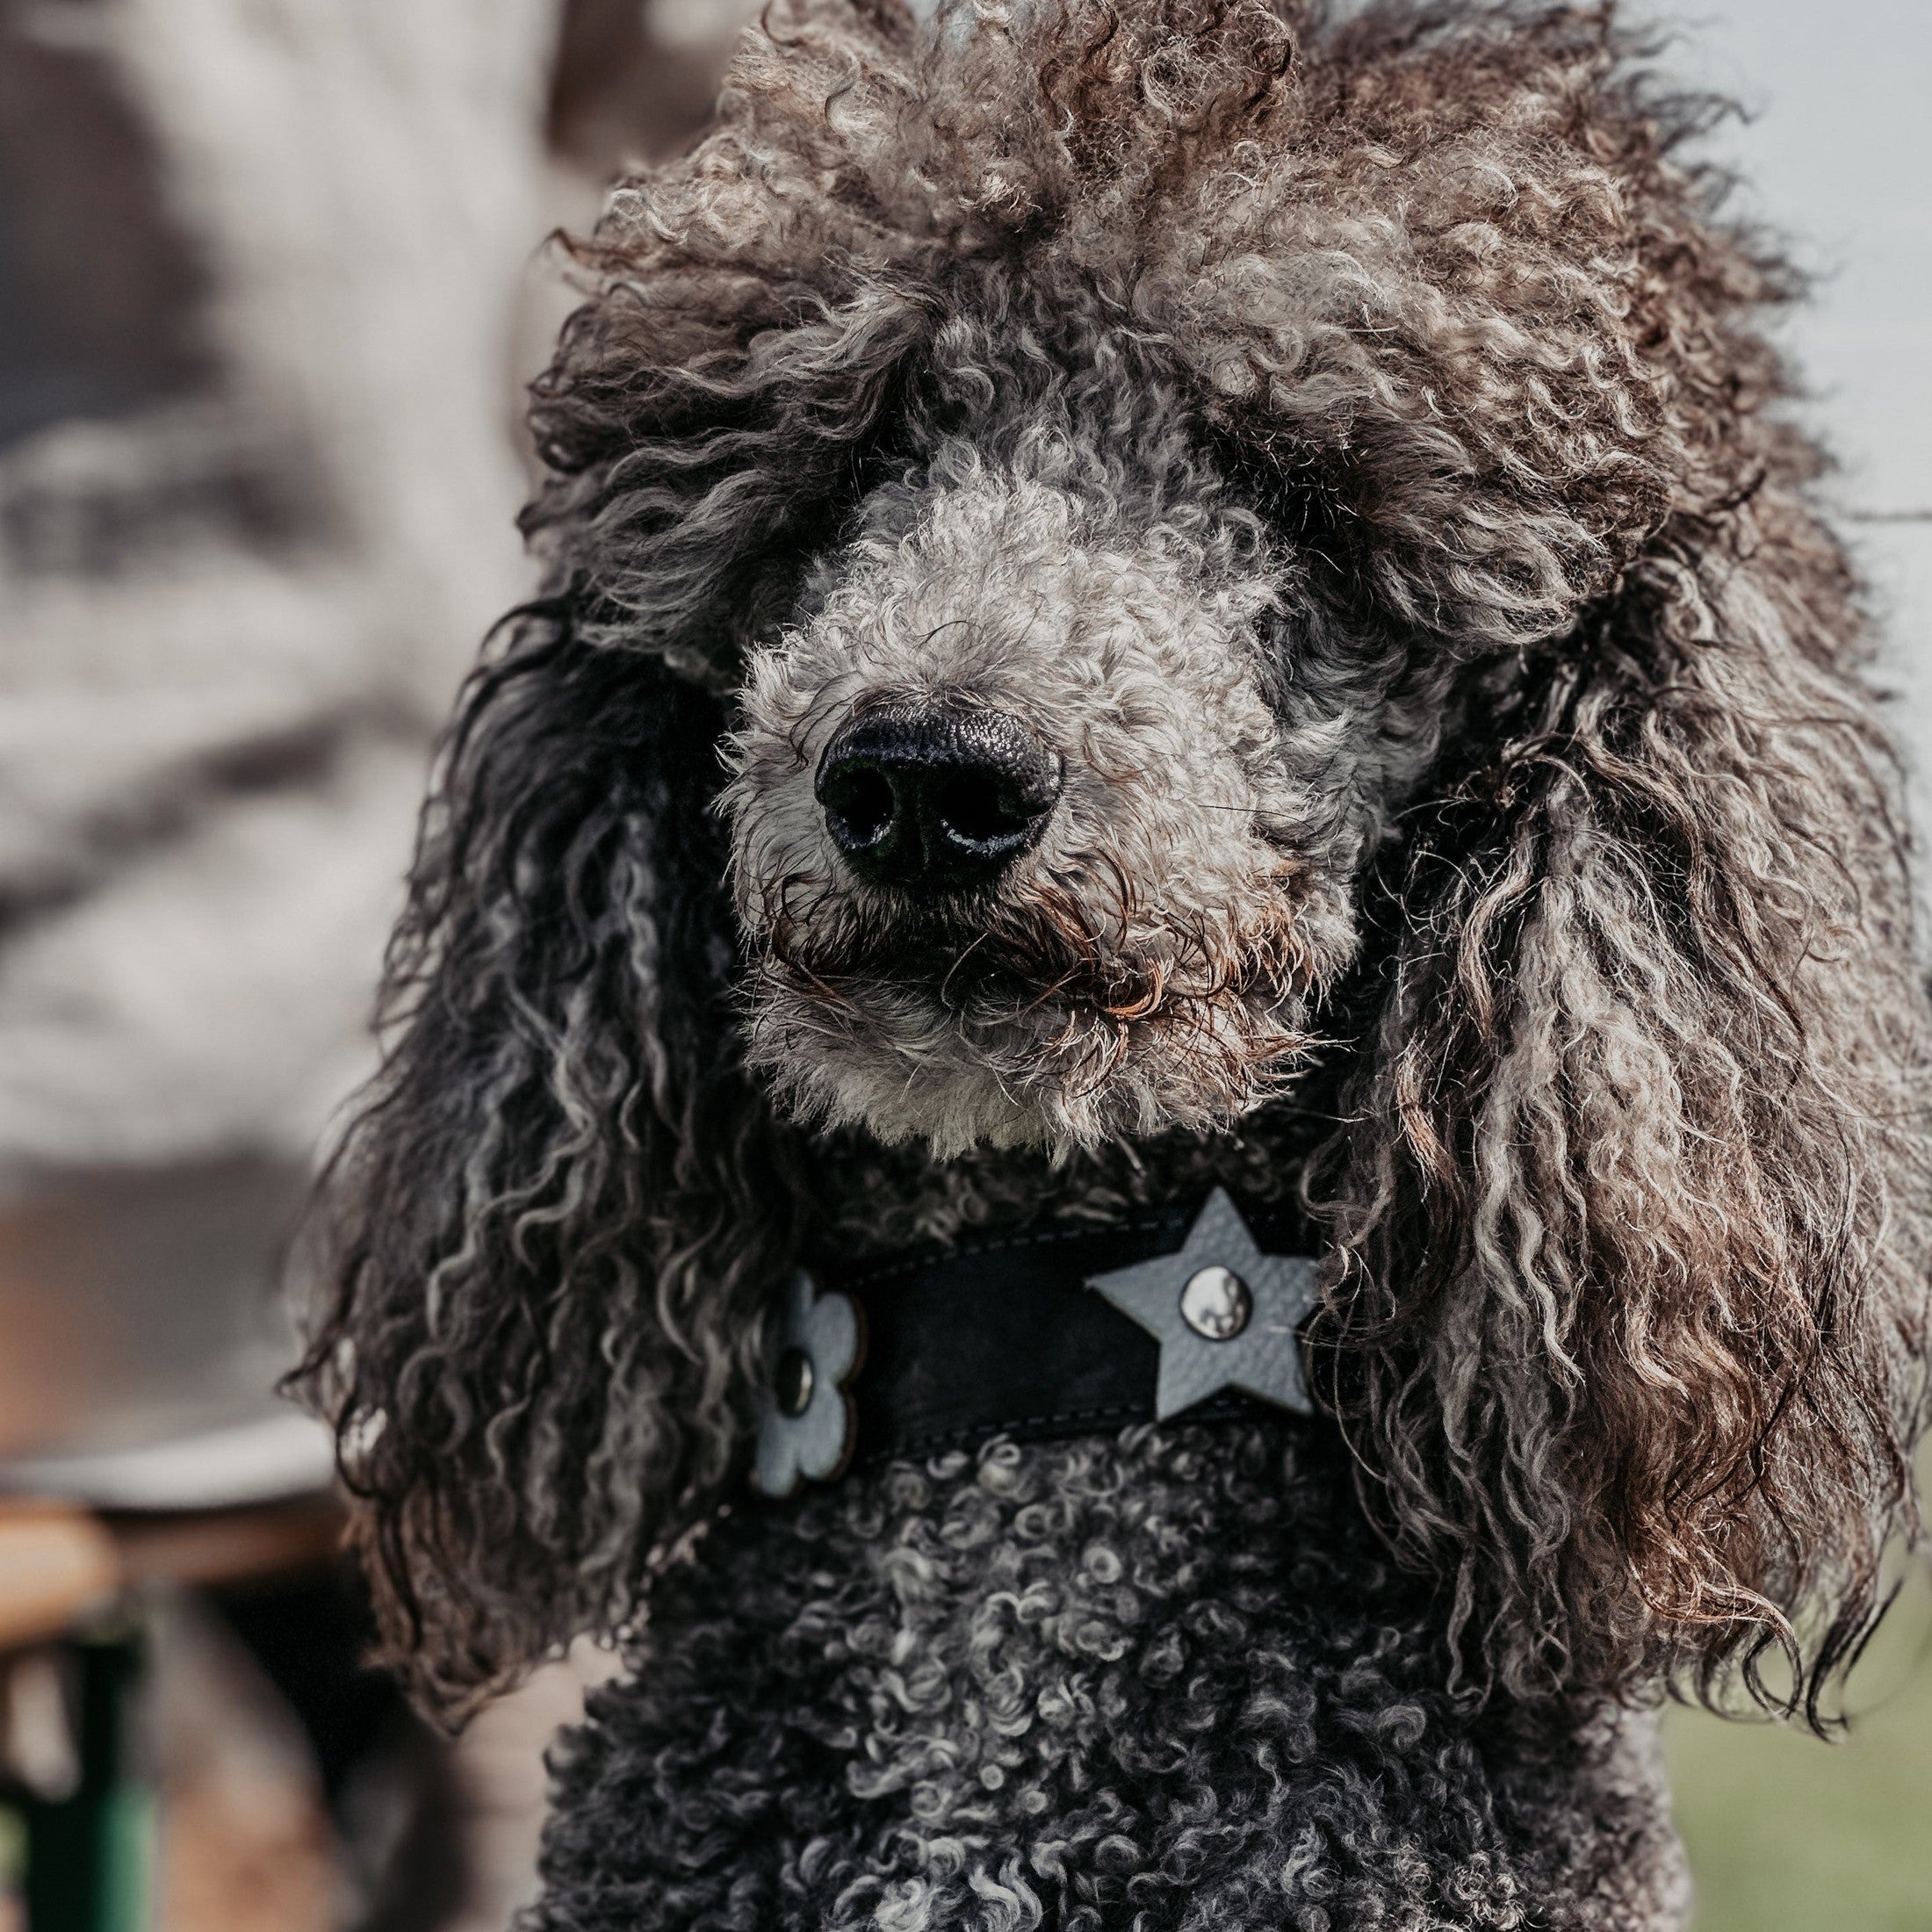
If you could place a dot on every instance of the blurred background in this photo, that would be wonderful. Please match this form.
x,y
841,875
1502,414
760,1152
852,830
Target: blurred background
x,y
271,286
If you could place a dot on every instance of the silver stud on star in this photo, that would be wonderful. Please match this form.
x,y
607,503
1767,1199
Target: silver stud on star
x,y
1215,1303
1225,1314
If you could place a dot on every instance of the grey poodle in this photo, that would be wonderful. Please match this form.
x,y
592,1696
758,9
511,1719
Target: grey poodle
x,y
1150,601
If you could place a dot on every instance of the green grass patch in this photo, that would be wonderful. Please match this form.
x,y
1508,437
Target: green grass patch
x,y
1790,1834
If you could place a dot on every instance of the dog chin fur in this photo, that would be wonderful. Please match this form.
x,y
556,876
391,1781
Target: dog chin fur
x,y
891,1061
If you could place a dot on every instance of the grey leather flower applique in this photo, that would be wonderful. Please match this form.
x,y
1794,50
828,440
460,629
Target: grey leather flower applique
x,y
808,1423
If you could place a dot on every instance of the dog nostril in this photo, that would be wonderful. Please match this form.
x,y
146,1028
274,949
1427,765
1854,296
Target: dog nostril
x,y
858,799
922,797
971,807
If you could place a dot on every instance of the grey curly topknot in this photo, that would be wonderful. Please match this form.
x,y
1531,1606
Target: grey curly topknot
x,y
1348,444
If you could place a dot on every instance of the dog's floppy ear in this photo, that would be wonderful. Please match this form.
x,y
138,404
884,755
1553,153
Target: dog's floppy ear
x,y
544,1245
1633,1252
546,1238
1630,1205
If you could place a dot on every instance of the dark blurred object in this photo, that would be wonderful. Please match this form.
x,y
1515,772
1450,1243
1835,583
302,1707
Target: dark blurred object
x,y
385,1778
139,1311
635,82
89,1846
140,1377
101,292
164,1723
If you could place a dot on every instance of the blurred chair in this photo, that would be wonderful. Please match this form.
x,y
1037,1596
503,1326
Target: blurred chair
x,y
150,1457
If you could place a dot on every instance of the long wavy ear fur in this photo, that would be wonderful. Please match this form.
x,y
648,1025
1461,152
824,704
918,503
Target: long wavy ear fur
x,y
544,1246
1633,1300
549,1231
1630,1204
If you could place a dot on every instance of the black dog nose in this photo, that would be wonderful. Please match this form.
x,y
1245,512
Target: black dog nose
x,y
936,799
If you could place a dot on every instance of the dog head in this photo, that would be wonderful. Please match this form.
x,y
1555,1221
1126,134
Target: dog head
x,y
1094,547
1048,806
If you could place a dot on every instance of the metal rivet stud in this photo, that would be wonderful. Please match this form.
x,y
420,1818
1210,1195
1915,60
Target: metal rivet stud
x,y
1215,1303
791,1386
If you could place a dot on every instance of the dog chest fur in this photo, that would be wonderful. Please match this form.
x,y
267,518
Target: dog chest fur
x,y
1168,1681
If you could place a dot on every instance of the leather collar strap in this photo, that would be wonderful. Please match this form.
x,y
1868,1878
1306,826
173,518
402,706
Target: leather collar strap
x,y
919,1353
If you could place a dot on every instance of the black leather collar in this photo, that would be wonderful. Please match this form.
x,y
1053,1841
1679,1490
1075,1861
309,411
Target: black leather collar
x,y
1001,1338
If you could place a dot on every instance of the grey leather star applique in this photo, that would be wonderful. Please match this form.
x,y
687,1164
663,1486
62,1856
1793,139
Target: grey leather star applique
x,y
1224,1314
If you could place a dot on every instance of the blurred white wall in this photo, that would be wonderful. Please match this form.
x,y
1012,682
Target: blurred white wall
x,y
1837,156
232,611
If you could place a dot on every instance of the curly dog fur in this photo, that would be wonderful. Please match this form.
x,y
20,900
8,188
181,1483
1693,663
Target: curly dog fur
x,y
1349,441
